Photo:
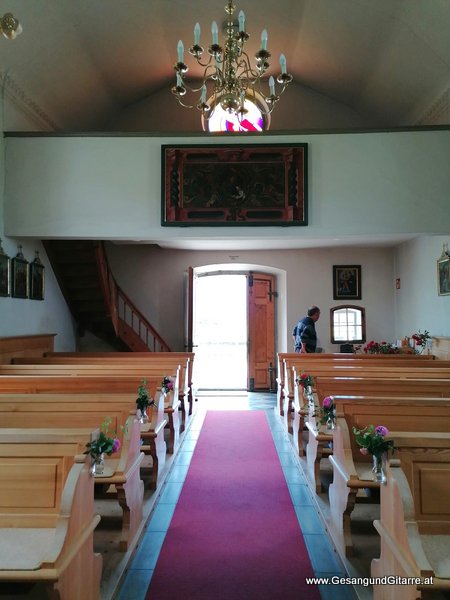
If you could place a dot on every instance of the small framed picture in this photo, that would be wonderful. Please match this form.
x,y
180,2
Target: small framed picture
x,y
347,282
37,280
443,275
5,272
19,277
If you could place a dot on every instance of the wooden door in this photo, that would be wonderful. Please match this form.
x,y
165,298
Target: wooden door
x,y
188,309
261,331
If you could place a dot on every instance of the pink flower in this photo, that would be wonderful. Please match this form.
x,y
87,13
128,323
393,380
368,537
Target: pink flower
x,y
364,451
327,402
381,430
170,385
116,445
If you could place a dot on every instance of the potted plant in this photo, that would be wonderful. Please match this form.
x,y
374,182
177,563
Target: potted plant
x,y
167,384
373,441
327,413
143,401
422,340
307,382
107,442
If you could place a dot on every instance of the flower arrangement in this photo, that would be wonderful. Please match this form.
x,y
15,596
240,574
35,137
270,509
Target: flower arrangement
x,y
373,440
327,412
421,340
305,380
144,399
380,348
106,443
167,384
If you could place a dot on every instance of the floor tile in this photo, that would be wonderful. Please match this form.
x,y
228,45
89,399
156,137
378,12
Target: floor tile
x,y
178,473
322,556
293,474
183,458
161,517
148,551
135,585
287,459
309,520
300,494
170,493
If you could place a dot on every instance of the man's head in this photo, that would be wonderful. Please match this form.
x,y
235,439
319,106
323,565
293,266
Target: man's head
x,y
314,313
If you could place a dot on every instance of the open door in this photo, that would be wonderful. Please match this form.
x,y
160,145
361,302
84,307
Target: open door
x,y
261,331
188,309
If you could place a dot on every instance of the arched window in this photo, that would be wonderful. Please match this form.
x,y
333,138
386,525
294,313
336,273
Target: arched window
x,y
348,324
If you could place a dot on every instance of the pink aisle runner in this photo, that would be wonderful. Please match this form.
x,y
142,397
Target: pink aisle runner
x,y
234,534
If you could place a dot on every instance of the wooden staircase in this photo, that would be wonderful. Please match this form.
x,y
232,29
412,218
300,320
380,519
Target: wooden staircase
x,y
95,300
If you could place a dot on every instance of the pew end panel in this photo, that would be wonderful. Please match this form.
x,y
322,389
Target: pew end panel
x,y
351,469
123,472
54,543
414,524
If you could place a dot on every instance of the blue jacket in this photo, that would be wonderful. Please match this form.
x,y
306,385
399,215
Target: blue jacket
x,y
305,332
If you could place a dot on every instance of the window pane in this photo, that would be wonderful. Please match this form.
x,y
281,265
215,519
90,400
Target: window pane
x,y
347,324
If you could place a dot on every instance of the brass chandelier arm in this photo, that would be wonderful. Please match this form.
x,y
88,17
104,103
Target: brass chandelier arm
x,y
229,79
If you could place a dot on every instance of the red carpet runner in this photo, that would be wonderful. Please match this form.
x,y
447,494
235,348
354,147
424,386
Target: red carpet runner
x,y
234,534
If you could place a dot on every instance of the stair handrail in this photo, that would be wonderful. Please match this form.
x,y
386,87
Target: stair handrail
x,y
119,305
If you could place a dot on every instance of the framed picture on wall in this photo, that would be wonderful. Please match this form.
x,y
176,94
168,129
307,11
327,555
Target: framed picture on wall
x,y
19,276
4,274
443,275
234,185
37,279
347,282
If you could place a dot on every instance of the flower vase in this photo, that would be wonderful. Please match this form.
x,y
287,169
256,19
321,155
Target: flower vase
x,y
143,416
377,469
307,391
330,423
98,465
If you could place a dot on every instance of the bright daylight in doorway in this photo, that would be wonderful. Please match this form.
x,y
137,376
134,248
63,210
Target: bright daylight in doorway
x,y
220,332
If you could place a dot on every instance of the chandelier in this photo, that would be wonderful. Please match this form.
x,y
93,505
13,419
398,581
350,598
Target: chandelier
x,y
10,26
229,80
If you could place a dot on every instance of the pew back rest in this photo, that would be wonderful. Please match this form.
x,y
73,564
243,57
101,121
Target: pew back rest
x,y
425,460
413,414
382,371
32,485
112,383
186,359
332,386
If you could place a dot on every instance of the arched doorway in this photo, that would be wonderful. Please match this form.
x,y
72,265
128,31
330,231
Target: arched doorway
x,y
233,329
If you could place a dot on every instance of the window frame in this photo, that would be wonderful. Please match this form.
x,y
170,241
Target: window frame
x,y
363,324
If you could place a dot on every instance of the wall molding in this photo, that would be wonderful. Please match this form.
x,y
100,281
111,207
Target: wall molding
x,y
25,104
439,111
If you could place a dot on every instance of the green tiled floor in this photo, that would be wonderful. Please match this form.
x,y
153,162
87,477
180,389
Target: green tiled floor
x,y
324,559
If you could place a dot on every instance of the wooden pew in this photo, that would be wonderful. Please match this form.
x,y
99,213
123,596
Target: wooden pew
x,y
352,470
361,386
122,470
47,524
320,439
151,373
309,362
185,359
112,382
88,409
386,369
414,523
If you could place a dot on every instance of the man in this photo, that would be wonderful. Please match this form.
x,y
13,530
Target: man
x,y
304,333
